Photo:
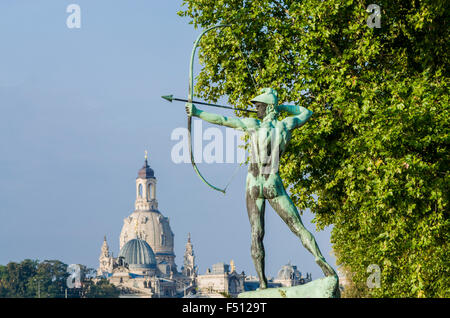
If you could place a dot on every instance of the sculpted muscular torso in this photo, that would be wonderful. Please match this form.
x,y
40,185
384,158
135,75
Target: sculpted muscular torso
x,y
268,140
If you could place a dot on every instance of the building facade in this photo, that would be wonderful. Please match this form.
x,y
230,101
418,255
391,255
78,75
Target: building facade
x,y
146,264
221,280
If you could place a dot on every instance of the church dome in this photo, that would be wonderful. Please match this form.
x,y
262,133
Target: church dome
x,y
138,254
146,222
288,272
152,227
146,172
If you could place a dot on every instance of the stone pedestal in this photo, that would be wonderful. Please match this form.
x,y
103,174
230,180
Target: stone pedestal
x,y
327,287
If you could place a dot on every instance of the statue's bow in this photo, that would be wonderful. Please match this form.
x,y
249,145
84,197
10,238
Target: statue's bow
x,y
190,99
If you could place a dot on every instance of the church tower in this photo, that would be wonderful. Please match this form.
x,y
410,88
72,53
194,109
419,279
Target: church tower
x,y
146,188
147,223
189,269
105,259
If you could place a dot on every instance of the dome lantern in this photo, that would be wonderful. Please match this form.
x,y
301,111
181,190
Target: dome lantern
x,y
146,188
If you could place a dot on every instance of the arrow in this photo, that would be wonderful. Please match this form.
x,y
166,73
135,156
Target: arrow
x,y
170,98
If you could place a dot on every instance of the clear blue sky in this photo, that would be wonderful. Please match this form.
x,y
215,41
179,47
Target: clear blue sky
x,y
78,107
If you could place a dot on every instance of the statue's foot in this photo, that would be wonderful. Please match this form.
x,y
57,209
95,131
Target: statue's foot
x,y
326,268
262,285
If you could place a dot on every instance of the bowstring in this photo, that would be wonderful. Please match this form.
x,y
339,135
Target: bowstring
x,y
255,85
233,175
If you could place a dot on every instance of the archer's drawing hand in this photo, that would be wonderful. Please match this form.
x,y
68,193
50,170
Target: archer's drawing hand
x,y
191,110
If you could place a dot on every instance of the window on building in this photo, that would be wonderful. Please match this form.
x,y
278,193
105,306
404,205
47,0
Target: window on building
x,y
149,191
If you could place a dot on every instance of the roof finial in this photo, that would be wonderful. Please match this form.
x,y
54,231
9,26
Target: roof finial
x,y
146,155
189,237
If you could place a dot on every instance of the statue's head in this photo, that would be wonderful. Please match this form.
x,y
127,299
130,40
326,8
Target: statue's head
x,y
266,102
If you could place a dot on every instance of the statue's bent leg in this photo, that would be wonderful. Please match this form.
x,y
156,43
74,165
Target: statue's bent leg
x,y
255,210
286,209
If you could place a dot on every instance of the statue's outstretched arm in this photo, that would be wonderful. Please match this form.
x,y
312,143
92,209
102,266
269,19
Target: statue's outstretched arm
x,y
232,122
301,115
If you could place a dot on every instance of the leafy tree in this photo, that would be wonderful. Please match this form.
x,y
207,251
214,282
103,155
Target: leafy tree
x,y
14,278
373,161
48,279
100,289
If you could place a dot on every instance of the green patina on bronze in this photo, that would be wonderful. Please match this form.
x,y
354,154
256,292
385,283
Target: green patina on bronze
x,y
269,138
190,99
